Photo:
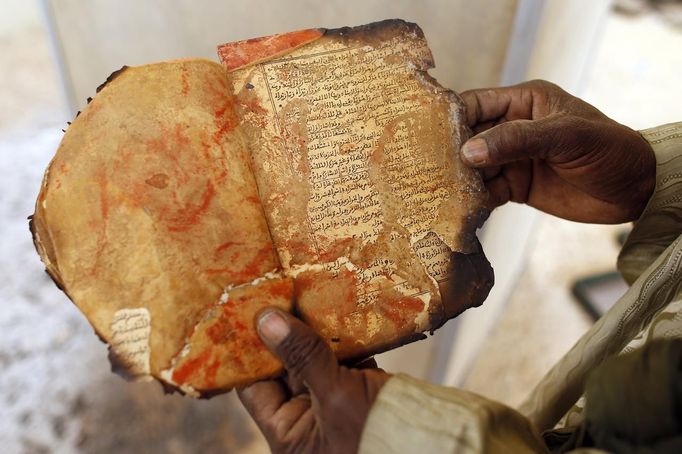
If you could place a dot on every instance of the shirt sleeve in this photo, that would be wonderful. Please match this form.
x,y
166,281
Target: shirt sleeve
x,y
412,416
661,220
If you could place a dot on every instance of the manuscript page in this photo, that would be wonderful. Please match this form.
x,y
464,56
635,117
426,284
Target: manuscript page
x,y
355,153
149,213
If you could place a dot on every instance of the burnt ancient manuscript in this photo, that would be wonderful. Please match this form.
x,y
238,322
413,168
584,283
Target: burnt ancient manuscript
x,y
316,171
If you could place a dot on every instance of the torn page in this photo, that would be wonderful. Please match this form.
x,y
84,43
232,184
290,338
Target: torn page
x,y
355,152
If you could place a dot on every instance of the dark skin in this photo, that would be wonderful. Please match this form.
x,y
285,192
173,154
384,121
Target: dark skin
x,y
534,144
548,149
319,406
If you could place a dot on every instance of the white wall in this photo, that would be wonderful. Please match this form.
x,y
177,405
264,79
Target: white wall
x,y
17,14
468,39
554,40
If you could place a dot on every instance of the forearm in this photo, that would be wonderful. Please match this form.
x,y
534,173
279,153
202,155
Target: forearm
x,y
414,416
661,222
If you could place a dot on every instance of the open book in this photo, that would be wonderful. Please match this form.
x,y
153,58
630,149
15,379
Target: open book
x,y
316,171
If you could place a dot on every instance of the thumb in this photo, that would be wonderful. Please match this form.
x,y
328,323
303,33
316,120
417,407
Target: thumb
x,y
513,141
305,355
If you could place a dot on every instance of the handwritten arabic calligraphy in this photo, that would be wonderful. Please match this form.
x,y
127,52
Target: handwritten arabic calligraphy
x,y
130,339
339,89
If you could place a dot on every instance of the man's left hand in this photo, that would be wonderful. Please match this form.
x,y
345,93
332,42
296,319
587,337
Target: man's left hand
x,y
321,406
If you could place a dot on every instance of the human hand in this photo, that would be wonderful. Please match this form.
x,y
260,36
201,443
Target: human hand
x,y
539,145
321,406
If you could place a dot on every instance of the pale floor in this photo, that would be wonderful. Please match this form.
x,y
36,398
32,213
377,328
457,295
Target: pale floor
x,y
51,403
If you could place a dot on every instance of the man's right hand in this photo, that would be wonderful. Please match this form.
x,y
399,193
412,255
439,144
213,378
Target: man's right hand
x,y
539,145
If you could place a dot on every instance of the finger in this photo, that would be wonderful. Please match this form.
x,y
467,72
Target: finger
x,y
289,415
488,173
516,140
480,127
512,184
365,364
498,192
369,363
488,106
295,384
305,355
303,425
262,400
484,106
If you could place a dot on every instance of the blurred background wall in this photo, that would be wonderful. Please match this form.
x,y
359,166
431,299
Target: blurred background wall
x,y
56,391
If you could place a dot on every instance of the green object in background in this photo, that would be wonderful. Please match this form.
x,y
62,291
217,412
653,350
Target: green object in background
x,y
598,293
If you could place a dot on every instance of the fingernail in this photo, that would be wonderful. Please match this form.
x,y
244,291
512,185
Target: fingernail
x,y
475,151
272,327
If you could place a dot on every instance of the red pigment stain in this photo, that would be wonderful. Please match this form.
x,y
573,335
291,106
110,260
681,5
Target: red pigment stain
x,y
305,282
252,269
160,146
157,145
220,177
319,284
254,341
402,310
347,283
220,331
240,53
101,224
179,134
341,247
236,360
409,305
326,302
222,83
190,367
225,120
210,373
103,200
252,105
190,216
281,289
301,250
252,199
224,247
225,327
206,150
239,326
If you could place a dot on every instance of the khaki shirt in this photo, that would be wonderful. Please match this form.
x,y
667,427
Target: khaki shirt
x,y
410,415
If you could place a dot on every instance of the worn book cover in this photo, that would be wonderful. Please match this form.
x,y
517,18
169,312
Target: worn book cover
x,y
316,171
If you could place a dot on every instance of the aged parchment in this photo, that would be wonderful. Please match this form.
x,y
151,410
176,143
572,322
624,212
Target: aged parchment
x,y
319,174
148,213
354,149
